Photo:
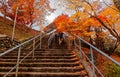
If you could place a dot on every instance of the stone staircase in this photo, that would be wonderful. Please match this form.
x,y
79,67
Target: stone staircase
x,y
46,63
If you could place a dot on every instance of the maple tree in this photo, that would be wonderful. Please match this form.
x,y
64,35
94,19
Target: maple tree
x,y
4,7
29,11
42,9
90,8
111,23
61,23
89,20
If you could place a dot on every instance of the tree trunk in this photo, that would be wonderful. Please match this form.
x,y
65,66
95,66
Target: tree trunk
x,y
112,32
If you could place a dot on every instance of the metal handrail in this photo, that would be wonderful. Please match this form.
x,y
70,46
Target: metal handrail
x,y
19,51
65,36
2,54
50,38
93,65
41,36
101,52
52,33
91,52
91,62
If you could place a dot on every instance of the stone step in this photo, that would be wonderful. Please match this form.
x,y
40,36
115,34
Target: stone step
x,y
44,69
59,50
54,51
39,57
39,52
47,64
6,62
46,74
40,60
42,54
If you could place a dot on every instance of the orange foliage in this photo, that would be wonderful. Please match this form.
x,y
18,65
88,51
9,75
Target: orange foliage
x,y
64,23
102,17
29,11
84,22
61,22
26,11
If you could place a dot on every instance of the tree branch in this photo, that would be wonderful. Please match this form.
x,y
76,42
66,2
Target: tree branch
x,y
110,6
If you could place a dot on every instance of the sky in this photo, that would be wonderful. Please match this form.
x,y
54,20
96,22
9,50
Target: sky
x,y
59,10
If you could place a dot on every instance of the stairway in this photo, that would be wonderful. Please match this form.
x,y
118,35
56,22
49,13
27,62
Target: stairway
x,y
46,63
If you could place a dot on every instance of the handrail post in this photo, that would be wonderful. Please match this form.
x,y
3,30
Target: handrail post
x,y
48,43
18,59
69,44
92,57
75,43
33,48
40,42
80,45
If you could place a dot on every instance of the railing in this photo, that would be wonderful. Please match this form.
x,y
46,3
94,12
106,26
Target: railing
x,y
50,39
92,55
19,47
89,56
66,37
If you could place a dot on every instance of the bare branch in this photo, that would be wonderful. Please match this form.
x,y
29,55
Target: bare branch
x,y
110,6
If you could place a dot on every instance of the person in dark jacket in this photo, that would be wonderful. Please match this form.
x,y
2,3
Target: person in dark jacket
x,y
60,38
